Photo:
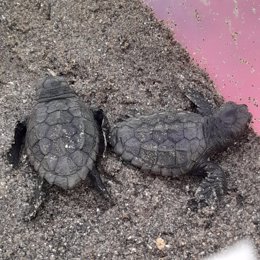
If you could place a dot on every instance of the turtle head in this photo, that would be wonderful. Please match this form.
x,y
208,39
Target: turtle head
x,y
232,120
52,87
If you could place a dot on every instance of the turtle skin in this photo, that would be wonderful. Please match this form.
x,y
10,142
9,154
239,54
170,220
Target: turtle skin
x,y
174,144
164,143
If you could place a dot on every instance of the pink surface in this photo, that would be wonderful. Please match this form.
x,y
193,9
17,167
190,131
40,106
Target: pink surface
x,y
224,38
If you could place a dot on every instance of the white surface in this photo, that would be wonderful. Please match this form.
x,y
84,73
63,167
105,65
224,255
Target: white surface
x,y
242,250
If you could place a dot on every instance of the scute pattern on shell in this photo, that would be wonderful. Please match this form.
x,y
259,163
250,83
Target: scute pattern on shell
x,y
163,143
62,141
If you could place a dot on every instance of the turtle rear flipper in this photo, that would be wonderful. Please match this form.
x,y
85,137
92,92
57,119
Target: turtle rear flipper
x,y
14,154
37,199
212,187
201,104
98,183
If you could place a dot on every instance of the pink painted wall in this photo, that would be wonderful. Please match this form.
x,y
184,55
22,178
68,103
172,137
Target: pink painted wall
x,y
224,38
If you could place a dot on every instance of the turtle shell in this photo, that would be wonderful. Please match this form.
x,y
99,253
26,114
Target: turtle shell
x,y
163,143
62,140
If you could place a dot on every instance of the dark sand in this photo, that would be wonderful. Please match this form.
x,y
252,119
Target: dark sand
x,y
116,55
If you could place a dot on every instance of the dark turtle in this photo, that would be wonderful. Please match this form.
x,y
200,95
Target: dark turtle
x,y
173,144
63,138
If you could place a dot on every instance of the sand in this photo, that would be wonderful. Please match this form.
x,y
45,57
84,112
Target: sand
x,y
117,56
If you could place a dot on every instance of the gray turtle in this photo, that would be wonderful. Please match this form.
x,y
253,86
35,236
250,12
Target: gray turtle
x,y
173,144
63,138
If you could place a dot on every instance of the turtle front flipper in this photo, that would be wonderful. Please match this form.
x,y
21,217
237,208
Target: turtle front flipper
x,y
14,154
212,187
103,127
201,104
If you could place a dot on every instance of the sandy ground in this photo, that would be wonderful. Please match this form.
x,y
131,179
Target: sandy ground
x,y
115,55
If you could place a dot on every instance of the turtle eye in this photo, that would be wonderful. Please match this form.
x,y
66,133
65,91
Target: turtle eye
x,y
229,116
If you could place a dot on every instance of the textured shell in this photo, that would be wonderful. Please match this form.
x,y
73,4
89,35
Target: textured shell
x,y
163,143
62,141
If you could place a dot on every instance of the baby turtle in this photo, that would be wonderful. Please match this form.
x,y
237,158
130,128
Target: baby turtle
x,y
173,144
63,139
